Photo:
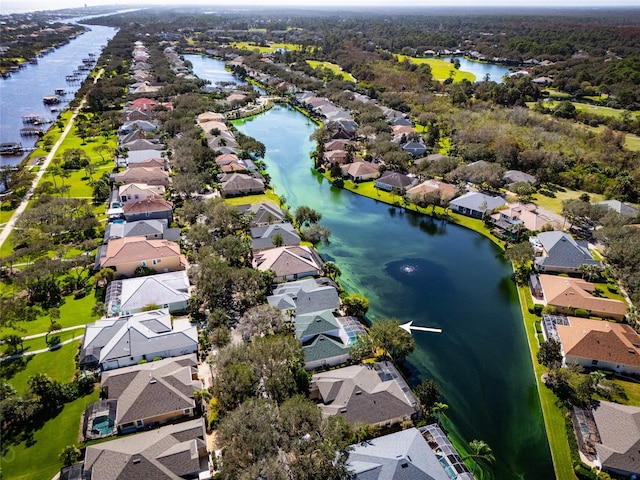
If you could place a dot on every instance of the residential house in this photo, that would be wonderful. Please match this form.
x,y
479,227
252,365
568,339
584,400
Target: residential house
x,y
568,294
238,184
133,295
160,163
609,434
118,342
173,452
132,192
512,177
337,156
143,104
559,252
142,144
398,182
595,343
325,340
415,149
406,455
476,204
150,208
305,296
148,175
343,129
445,191
372,394
620,207
265,237
150,229
139,156
360,171
525,216
133,126
210,117
338,145
262,213
289,263
125,255
152,393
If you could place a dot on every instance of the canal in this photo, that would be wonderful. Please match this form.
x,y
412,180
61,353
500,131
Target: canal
x,y
412,267
22,93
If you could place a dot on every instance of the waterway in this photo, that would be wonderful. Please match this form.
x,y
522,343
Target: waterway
x,y
212,70
412,267
21,94
494,71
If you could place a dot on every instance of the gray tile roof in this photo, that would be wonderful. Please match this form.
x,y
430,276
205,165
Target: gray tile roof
x,y
563,251
306,296
262,237
476,201
173,452
404,455
620,207
619,429
263,213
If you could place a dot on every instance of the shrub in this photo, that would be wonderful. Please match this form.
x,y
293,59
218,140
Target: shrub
x,y
78,294
537,309
583,472
538,325
549,310
612,288
581,312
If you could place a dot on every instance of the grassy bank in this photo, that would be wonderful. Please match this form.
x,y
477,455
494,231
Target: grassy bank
x,y
440,69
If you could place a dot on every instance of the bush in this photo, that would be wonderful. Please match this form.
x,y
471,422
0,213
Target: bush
x,y
537,309
78,294
612,288
581,312
538,326
583,472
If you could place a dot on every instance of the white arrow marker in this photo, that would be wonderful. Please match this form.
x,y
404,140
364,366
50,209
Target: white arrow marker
x,y
408,327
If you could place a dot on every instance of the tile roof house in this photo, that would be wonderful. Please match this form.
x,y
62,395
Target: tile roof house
x,y
614,436
390,181
400,455
372,394
131,192
238,184
445,190
476,204
289,263
305,296
264,237
135,157
173,452
559,252
150,229
262,213
150,176
338,145
168,290
152,393
601,344
118,342
151,207
620,207
126,254
336,156
143,104
526,216
360,171
512,177
416,149
568,294
142,144
324,342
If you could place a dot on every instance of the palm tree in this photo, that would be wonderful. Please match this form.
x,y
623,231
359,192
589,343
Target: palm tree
x,y
589,271
331,270
480,450
438,410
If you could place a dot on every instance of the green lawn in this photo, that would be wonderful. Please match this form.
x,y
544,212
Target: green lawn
x,y
595,109
632,142
553,416
72,313
39,343
5,215
440,69
336,69
555,204
39,459
58,364
268,197
272,47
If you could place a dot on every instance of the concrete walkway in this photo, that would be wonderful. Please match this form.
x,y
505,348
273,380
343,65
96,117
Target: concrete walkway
x,y
26,354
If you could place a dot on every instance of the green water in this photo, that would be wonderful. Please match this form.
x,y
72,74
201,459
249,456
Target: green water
x,y
438,275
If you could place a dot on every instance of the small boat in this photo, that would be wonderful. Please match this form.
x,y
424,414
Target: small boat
x,y
11,148
51,100
60,92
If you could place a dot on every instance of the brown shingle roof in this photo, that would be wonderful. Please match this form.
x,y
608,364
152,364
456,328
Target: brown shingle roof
x,y
575,293
150,204
150,176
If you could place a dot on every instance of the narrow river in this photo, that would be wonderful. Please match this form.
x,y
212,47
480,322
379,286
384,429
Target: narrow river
x,y
436,274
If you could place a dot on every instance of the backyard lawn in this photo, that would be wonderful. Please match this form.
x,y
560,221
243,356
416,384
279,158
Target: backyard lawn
x,y
555,203
268,197
336,69
440,69
36,456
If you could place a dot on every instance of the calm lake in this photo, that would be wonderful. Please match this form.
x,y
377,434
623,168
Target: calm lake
x,y
22,93
412,267
481,69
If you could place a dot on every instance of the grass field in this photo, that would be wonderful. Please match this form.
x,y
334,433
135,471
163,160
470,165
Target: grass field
x,y
440,69
555,203
336,69
58,364
37,455
553,415
272,47
268,197
595,109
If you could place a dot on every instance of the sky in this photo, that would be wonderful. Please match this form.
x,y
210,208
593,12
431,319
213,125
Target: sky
x,y
15,6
